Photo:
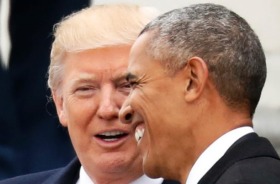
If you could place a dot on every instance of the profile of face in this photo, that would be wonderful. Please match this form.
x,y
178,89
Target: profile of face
x,y
91,94
154,108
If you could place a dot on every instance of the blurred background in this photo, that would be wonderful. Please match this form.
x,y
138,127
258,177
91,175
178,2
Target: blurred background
x,y
264,18
31,137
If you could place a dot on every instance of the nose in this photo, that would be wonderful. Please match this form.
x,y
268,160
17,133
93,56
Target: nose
x,y
107,111
126,113
108,108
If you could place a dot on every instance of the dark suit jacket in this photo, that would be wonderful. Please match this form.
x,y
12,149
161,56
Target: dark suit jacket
x,y
66,175
251,160
31,138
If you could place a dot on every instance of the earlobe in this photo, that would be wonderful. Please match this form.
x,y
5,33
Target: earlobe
x,y
58,100
197,76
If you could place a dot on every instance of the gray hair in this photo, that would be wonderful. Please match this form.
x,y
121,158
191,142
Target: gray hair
x,y
224,40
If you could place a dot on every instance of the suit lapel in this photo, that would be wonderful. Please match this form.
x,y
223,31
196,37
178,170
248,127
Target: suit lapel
x,y
69,174
248,146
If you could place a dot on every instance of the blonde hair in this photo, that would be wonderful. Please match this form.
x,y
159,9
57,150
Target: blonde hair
x,y
96,27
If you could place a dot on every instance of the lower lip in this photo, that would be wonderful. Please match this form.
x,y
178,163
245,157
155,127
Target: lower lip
x,y
112,144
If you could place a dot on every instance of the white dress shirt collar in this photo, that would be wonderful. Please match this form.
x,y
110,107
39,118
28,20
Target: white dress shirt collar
x,y
5,43
146,180
85,179
214,152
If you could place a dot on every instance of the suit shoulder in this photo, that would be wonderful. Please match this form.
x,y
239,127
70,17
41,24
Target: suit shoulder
x,y
34,178
257,170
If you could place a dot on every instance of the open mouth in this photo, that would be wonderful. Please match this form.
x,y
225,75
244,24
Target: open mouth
x,y
111,136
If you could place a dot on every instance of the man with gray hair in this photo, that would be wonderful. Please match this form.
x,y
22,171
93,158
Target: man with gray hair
x,y
197,75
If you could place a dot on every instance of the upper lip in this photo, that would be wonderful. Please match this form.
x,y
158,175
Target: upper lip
x,y
137,119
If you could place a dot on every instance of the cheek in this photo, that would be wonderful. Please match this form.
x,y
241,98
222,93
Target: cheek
x,y
141,100
119,99
80,112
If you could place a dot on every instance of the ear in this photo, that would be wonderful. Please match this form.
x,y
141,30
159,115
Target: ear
x,y
58,100
197,75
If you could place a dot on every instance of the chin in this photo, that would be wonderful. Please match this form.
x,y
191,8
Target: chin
x,y
151,171
113,166
120,162
150,167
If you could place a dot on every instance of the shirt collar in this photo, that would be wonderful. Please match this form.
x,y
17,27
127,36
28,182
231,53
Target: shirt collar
x,y
85,179
214,152
145,179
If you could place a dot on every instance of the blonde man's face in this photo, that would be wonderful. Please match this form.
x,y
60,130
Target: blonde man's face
x,y
93,90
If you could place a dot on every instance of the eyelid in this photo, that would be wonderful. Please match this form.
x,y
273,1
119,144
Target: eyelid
x,y
123,84
133,83
85,87
85,91
133,80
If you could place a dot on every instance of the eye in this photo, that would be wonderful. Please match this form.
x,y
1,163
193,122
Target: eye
x,y
83,88
124,87
85,91
133,84
133,80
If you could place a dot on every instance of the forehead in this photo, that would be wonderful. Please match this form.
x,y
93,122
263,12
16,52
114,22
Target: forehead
x,y
105,61
140,60
99,58
138,54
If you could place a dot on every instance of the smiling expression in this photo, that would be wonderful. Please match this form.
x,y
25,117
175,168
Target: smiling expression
x,y
157,114
93,90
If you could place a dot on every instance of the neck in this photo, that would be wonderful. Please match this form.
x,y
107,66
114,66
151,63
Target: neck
x,y
115,176
116,179
208,127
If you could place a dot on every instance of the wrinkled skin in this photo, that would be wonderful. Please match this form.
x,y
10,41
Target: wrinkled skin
x,y
91,94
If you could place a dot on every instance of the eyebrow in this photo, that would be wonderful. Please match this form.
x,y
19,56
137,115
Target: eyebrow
x,y
83,80
88,78
130,76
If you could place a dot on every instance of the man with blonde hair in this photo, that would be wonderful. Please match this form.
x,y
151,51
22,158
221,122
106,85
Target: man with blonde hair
x,y
87,78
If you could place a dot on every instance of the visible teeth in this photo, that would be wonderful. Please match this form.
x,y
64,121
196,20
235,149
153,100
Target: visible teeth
x,y
139,134
113,133
111,136
110,140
